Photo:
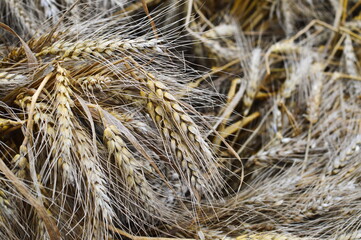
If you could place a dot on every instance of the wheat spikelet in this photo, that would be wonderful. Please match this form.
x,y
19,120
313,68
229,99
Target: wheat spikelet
x,y
5,124
94,83
346,155
21,162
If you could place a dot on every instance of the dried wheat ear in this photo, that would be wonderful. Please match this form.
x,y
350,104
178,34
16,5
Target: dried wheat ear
x,y
94,166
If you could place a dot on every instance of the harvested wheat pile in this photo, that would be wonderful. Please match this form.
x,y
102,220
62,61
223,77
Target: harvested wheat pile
x,y
166,119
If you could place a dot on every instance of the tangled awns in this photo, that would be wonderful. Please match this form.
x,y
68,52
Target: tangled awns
x,y
180,119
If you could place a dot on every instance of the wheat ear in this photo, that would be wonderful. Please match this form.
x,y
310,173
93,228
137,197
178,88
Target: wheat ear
x,y
84,49
314,101
23,16
129,166
300,71
269,236
253,75
10,81
94,175
350,57
346,155
64,123
163,99
6,206
179,129
18,53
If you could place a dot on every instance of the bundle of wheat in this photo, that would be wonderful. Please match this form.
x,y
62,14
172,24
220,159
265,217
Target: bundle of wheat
x,y
96,128
108,133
